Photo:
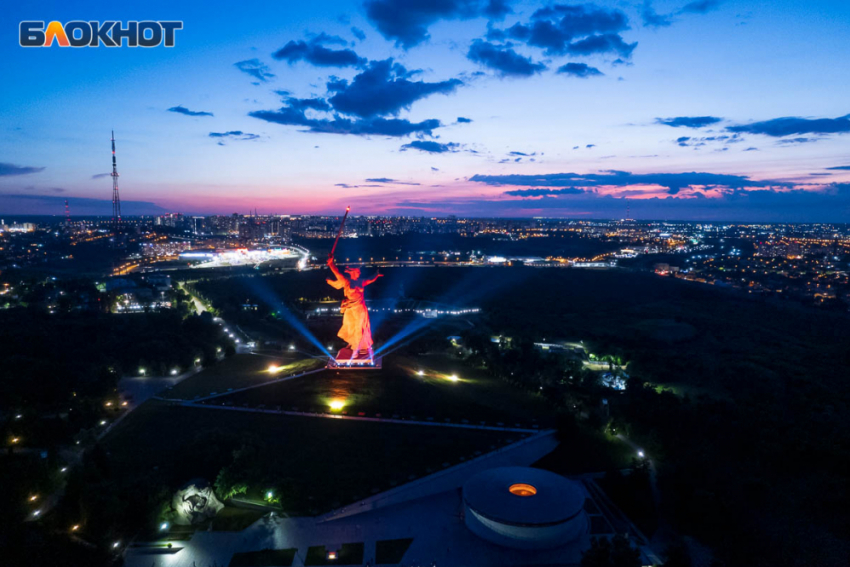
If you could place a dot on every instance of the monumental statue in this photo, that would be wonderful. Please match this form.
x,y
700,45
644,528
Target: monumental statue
x,y
355,331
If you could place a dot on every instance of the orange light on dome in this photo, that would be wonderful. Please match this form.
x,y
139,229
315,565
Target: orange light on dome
x,y
522,490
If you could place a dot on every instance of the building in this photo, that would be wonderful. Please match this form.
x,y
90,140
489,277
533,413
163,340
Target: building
x,y
524,508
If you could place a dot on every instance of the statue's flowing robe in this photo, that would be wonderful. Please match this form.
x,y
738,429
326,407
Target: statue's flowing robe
x,y
356,330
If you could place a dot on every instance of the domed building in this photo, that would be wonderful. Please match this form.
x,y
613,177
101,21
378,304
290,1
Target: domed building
x,y
524,508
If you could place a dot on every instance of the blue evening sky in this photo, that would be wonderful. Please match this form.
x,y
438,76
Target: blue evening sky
x,y
727,109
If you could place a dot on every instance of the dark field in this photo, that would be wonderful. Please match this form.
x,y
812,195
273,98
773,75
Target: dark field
x,y
240,371
331,462
397,389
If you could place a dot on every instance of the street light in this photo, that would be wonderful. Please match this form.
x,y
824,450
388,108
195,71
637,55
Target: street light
x,y
641,454
163,526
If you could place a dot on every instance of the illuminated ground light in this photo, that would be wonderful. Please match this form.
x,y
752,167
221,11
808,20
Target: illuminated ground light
x,y
420,373
274,369
331,555
453,378
337,405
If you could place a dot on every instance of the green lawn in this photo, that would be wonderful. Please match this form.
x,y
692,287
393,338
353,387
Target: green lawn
x,y
331,462
239,371
398,389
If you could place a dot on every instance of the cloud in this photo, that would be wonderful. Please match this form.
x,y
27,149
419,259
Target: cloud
x,y
388,180
359,107
234,135
302,104
674,182
792,141
688,121
791,125
406,22
358,33
580,70
383,89
700,6
318,55
828,204
462,120
187,112
840,167
599,44
503,59
653,19
340,125
101,175
430,147
582,29
7,169
256,69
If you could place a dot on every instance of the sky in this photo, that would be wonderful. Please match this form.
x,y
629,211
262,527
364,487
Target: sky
x,y
728,110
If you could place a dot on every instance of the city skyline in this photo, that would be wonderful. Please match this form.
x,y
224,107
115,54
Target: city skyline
x,y
705,110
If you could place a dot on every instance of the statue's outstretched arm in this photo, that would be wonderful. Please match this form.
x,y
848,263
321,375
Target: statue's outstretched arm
x,y
373,280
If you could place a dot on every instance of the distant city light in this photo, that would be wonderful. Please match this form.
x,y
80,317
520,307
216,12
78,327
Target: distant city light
x,y
103,422
142,371
291,347
174,372
15,439
75,527
116,544
454,378
34,497
63,469
274,369
640,454
19,416
36,513
420,373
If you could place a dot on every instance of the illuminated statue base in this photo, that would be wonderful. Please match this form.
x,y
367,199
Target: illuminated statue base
x,y
361,361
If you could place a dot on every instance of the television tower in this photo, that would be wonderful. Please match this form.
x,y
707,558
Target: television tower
x,y
116,199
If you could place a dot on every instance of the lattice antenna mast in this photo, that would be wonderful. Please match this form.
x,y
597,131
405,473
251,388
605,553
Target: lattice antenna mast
x,y
116,199
67,214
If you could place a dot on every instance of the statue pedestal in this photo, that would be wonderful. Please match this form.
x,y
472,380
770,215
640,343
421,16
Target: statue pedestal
x,y
361,361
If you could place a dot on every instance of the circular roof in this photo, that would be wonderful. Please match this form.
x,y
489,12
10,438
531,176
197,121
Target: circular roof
x,y
523,496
